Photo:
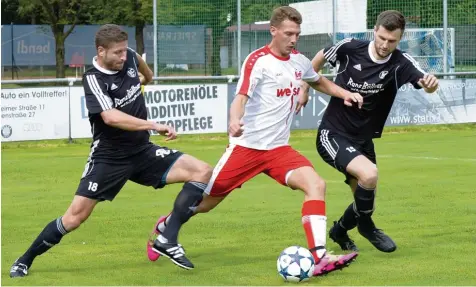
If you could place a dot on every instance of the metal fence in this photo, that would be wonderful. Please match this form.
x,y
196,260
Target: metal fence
x,y
212,37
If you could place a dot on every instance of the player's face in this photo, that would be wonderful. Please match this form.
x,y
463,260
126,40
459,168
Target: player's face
x,y
114,56
286,36
386,41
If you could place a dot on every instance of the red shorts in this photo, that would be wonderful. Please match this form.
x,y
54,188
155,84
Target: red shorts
x,y
240,164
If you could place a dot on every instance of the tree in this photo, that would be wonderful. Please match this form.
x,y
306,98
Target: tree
x,y
58,14
10,14
212,13
259,10
136,13
425,13
411,9
217,15
461,12
251,11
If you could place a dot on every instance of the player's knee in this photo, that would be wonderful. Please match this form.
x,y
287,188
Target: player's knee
x,y
315,188
207,173
369,177
72,222
203,172
320,185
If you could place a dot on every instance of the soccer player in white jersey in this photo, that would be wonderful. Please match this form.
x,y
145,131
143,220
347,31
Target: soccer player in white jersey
x,y
259,129
376,69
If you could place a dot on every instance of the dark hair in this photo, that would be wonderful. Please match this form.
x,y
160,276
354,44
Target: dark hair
x,y
109,33
391,20
285,13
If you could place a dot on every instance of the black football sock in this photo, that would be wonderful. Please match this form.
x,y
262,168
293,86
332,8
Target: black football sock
x,y
364,202
349,219
49,237
184,207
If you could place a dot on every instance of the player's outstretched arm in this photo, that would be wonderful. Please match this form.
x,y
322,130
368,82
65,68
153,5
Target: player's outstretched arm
x,y
99,102
123,121
412,73
144,70
317,63
429,83
237,110
326,86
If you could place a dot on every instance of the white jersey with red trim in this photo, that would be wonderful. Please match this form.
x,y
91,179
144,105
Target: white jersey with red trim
x,y
272,84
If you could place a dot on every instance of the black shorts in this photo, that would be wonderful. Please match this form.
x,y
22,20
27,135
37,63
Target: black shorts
x,y
338,151
103,178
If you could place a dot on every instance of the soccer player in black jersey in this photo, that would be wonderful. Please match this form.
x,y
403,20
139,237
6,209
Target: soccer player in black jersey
x,y
376,70
121,149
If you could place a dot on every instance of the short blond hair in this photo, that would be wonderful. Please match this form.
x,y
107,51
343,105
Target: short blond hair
x,y
285,13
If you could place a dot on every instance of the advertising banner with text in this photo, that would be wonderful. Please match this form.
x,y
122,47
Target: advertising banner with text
x,y
35,114
454,102
42,113
190,109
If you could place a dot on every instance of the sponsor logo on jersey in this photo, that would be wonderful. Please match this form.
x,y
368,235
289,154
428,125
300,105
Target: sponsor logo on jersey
x,y
131,95
131,72
364,87
290,91
382,74
298,74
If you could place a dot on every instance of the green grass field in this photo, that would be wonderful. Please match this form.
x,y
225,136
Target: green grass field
x,y
426,201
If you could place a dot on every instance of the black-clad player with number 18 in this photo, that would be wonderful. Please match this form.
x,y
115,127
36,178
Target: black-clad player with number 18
x,y
121,149
376,70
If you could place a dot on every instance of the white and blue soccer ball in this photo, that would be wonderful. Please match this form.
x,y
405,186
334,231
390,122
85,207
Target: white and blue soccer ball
x,y
296,264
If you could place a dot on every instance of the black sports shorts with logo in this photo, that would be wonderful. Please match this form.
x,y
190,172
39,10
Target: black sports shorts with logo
x,y
104,176
338,151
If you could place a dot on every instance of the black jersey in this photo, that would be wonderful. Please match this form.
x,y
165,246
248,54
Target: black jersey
x,y
120,90
377,81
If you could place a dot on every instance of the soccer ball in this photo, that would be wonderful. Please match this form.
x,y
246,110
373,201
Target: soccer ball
x,y
295,264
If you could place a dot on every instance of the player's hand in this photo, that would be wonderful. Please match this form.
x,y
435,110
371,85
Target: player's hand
x,y
302,100
235,129
141,78
167,131
428,82
351,98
